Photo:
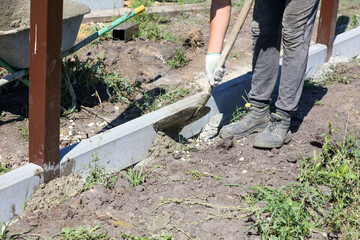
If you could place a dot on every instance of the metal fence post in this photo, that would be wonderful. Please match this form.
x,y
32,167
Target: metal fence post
x,y
327,24
45,80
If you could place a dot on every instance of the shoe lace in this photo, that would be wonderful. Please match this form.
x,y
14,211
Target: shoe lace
x,y
273,125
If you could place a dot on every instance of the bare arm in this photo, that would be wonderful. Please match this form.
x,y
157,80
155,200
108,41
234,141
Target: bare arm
x,y
219,22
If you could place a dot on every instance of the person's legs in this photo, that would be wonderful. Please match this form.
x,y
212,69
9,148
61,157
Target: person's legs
x,y
266,31
298,21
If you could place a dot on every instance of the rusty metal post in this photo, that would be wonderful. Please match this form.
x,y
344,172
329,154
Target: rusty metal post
x,y
45,80
327,24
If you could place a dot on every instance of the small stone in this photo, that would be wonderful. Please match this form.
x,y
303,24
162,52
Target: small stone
x,y
269,154
244,171
143,197
91,124
241,159
139,188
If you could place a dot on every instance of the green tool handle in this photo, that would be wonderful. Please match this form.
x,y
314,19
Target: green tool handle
x,y
102,31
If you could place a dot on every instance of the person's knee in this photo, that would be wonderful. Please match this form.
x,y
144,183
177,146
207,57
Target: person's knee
x,y
292,36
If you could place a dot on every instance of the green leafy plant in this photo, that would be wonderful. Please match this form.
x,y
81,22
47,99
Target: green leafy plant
x,y
137,177
339,74
311,84
240,111
317,102
152,102
152,27
163,236
99,175
23,129
3,230
120,89
91,75
354,22
3,168
195,174
337,167
178,59
94,233
288,212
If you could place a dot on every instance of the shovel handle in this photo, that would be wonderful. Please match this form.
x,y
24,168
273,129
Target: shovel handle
x,y
233,35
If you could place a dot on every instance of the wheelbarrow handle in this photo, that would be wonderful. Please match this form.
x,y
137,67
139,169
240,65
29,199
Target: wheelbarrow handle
x,y
103,31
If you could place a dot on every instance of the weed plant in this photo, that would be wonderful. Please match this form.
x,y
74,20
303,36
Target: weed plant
x,y
68,233
163,236
152,102
178,59
3,230
338,74
137,177
3,169
240,111
99,176
152,27
294,211
23,129
90,29
337,167
90,75
288,212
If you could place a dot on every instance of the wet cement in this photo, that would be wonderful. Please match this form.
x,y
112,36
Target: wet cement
x,y
55,192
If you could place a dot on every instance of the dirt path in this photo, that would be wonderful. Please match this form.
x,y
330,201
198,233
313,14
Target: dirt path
x,y
190,194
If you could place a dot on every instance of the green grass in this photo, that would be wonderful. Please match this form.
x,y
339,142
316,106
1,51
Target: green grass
x,y
3,169
137,177
337,166
294,211
240,112
3,230
99,176
312,85
152,102
68,233
23,129
349,7
90,75
178,59
288,212
154,27
163,236
90,29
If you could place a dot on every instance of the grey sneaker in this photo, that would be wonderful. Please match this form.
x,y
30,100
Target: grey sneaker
x,y
255,120
276,133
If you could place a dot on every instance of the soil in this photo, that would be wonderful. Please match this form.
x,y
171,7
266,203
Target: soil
x,y
192,190
188,192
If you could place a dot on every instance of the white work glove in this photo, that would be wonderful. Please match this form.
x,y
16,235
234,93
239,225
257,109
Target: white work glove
x,y
214,76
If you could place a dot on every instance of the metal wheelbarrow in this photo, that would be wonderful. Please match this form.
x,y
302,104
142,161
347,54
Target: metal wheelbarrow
x,y
15,31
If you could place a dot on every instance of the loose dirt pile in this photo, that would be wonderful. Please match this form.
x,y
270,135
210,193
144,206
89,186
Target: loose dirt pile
x,y
197,193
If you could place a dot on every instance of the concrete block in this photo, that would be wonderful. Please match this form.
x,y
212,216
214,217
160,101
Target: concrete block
x,y
225,98
16,187
347,44
119,147
126,32
317,57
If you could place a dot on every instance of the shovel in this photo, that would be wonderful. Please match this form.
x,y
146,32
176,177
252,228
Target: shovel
x,y
182,118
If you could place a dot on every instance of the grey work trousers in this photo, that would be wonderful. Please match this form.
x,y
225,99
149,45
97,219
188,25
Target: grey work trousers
x,y
290,22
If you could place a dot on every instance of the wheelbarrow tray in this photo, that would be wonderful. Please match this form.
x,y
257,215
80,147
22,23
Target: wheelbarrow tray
x,y
15,29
